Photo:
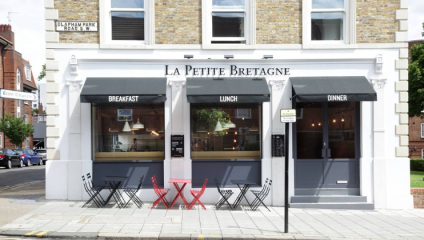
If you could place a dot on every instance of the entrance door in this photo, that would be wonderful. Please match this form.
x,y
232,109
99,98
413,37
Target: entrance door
x,y
326,148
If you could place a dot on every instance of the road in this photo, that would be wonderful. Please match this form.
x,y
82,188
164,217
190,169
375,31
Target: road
x,y
21,191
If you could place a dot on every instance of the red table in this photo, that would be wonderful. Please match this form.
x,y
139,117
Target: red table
x,y
180,190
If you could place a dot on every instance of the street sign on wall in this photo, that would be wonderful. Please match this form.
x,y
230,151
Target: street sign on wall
x,y
26,96
288,115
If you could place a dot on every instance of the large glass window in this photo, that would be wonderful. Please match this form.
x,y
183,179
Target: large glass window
x,y
225,131
128,132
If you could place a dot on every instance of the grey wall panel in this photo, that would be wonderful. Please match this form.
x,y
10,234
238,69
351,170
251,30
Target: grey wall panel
x,y
39,130
131,169
225,171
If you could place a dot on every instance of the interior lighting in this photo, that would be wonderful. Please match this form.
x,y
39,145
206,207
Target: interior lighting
x,y
334,120
126,127
343,117
319,124
138,125
218,127
235,140
155,133
253,128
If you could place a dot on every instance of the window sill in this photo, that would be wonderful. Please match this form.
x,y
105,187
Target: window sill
x,y
228,46
123,45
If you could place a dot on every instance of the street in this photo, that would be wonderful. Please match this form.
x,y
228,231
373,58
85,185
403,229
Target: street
x,y
21,191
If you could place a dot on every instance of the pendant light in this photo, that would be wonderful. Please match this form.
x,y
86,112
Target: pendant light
x,y
229,124
253,128
126,127
313,123
343,119
218,127
138,125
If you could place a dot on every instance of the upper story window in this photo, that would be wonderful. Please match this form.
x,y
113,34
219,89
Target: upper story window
x,y
28,73
18,79
124,23
228,22
329,21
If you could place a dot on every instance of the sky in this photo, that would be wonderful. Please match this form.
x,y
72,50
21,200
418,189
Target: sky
x,y
27,20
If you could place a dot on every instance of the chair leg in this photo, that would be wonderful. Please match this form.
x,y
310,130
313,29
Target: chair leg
x,y
196,199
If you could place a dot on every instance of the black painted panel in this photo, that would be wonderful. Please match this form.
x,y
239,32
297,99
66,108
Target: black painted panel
x,y
132,169
225,171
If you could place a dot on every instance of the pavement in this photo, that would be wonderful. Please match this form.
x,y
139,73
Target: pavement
x,y
68,219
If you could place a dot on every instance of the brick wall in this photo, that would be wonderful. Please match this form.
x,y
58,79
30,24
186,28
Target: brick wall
x,y
418,194
279,21
71,10
375,21
178,21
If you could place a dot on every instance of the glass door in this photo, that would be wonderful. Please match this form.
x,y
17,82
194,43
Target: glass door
x,y
326,145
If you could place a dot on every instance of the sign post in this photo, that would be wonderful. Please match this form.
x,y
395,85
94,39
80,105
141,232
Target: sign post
x,y
12,94
287,116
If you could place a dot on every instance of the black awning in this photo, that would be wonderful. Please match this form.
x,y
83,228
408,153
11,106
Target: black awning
x,y
124,90
332,89
227,90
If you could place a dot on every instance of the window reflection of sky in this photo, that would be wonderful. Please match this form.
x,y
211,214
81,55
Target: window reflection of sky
x,y
336,15
128,14
327,4
228,4
127,3
228,15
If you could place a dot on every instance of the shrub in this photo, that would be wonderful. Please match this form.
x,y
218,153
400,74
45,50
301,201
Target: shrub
x,y
417,165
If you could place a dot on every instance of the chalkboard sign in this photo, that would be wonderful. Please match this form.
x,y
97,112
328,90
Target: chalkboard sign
x,y
177,145
277,146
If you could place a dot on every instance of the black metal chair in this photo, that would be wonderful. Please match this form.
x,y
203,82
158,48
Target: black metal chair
x,y
261,195
96,189
225,194
92,193
132,194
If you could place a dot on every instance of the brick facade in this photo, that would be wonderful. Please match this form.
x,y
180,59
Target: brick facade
x,y
279,22
87,10
376,21
12,62
178,22
418,194
416,143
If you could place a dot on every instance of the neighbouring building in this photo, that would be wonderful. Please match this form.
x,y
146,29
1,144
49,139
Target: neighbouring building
x,y
16,74
416,125
195,92
41,96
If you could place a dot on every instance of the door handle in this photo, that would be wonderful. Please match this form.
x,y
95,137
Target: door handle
x,y
328,153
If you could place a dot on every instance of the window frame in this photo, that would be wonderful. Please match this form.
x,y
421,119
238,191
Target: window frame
x,y
106,41
249,26
18,108
422,128
349,25
28,73
18,79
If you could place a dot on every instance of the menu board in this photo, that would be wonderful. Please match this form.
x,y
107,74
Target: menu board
x,y
277,145
177,145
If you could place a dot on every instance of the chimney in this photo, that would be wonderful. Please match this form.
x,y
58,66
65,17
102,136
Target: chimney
x,y
40,108
6,32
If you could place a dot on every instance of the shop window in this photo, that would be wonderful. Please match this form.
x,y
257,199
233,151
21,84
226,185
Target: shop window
x,y
329,20
217,132
18,79
124,22
227,21
422,130
128,132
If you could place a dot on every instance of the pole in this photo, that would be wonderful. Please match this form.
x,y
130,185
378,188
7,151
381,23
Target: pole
x,y
286,181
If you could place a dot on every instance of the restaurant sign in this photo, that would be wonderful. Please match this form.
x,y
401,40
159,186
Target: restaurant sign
x,y
26,96
69,26
234,70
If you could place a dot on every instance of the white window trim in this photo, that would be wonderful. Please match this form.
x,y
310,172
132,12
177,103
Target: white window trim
x,y
106,29
349,26
28,73
18,108
249,27
18,79
1,141
422,126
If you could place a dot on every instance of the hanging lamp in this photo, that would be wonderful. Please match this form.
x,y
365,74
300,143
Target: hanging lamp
x,y
253,128
138,125
229,124
218,127
126,127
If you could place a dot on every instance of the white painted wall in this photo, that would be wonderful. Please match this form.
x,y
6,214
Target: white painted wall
x,y
66,173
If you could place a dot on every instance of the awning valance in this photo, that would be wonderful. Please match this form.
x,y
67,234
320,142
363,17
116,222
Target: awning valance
x,y
227,90
124,90
332,89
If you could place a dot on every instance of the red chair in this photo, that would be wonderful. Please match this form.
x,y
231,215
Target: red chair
x,y
197,194
161,192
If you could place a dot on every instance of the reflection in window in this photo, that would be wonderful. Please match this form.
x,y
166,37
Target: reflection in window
x,y
327,26
128,132
228,4
309,126
127,25
127,3
341,129
327,4
217,133
228,24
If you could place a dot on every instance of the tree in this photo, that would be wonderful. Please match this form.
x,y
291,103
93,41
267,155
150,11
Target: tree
x,y
42,73
15,129
416,81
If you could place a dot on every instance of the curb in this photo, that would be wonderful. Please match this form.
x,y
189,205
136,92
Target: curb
x,y
145,236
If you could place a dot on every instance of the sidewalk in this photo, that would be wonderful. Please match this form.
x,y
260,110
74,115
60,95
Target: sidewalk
x,y
68,219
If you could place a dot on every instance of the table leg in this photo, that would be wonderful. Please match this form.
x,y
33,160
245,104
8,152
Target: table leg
x,y
241,195
112,191
178,194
